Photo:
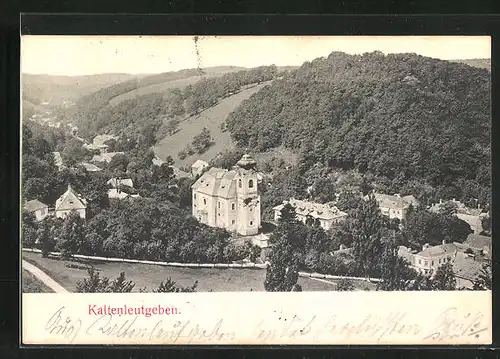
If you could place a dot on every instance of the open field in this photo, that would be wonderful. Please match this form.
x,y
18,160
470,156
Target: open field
x,y
172,84
31,284
212,119
150,276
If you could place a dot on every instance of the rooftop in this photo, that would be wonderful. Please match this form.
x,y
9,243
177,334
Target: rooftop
x,y
34,205
478,241
439,250
395,201
313,209
199,163
114,182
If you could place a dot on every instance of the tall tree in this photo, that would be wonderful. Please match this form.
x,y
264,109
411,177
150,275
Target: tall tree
x,y
72,235
367,230
484,280
286,253
46,241
444,278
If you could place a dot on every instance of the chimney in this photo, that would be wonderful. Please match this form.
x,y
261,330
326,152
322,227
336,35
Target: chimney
x,y
342,247
440,201
425,246
443,242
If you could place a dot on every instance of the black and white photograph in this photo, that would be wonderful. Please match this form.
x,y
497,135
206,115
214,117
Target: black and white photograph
x,y
255,164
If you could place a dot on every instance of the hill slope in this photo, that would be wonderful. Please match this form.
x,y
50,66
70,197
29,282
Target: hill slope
x,y
480,63
161,83
402,117
56,89
212,119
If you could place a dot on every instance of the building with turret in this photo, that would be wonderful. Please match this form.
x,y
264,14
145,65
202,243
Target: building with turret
x,y
229,198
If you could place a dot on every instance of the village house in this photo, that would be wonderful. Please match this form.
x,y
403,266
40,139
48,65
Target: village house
x,y
430,258
99,143
198,167
472,216
119,183
89,167
395,206
479,244
39,209
68,202
58,161
106,157
229,198
326,215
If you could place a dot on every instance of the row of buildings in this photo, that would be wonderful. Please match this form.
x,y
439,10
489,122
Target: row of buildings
x,y
67,202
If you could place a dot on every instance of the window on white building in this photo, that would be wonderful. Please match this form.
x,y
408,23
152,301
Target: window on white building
x,y
250,183
218,204
232,222
204,201
194,196
239,183
251,222
233,206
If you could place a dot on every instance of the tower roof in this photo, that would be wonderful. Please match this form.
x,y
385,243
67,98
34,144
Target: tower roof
x,y
246,161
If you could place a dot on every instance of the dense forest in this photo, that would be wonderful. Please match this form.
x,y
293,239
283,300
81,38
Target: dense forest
x,y
416,125
158,111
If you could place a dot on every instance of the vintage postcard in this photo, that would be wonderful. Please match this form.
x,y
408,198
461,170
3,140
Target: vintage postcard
x,y
256,190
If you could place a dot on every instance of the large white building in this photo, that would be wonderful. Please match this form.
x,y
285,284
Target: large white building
x,y
395,206
229,198
325,214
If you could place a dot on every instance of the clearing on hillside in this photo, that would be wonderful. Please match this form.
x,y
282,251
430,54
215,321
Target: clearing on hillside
x,y
212,119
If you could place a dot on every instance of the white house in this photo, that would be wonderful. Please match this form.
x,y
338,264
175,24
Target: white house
x,y
395,206
69,201
39,209
326,214
198,167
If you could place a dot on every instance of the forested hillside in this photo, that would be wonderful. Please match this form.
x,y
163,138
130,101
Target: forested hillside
x,y
419,125
157,113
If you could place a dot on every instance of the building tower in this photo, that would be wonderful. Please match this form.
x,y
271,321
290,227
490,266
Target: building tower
x,y
248,199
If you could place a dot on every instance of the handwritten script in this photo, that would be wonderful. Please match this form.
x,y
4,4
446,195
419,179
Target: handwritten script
x,y
451,324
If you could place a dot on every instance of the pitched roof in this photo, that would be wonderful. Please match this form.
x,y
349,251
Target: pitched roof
x,y
199,164
478,241
434,251
90,167
157,161
34,205
120,182
466,267
106,157
70,200
395,201
58,159
114,193
180,173
100,139
315,210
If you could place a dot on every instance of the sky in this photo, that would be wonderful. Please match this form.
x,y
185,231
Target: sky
x,y
87,55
